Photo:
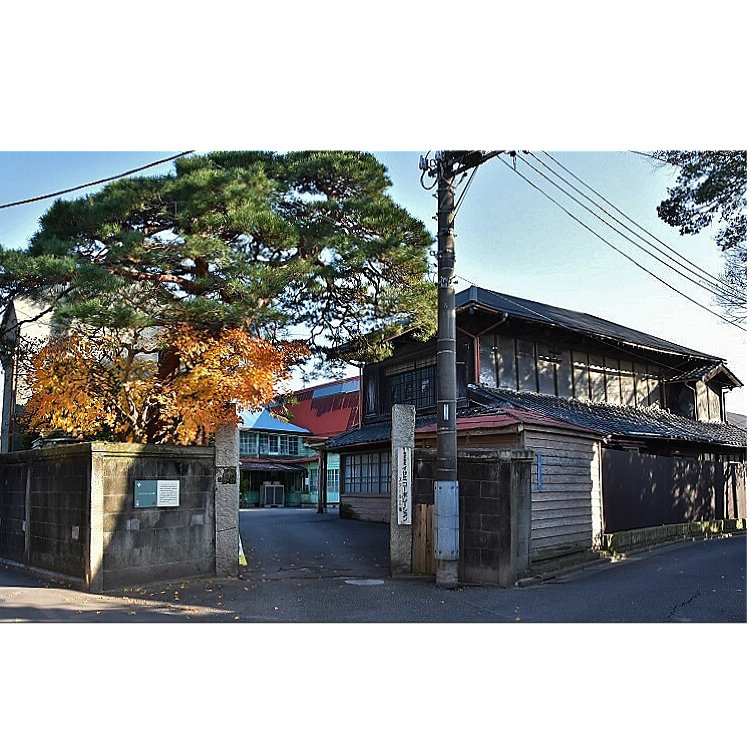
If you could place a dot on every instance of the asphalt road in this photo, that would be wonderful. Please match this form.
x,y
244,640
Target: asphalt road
x,y
285,543
306,567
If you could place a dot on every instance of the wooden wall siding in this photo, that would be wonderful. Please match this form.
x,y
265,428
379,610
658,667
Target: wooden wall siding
x,y
566,509
423,553
537,366
366,508
642,490
708,403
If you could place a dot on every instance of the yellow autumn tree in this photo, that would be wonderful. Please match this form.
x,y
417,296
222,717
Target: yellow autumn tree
x,y
176,387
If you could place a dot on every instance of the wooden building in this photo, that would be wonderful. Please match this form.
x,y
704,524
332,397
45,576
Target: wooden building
x,y
562,383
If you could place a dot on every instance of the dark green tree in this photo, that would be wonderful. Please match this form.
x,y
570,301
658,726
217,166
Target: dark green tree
x,y
267,242
711,192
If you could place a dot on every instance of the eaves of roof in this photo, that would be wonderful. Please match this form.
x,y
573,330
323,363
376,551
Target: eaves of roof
x,y
615,420
572,320
707,372
468,419
255,464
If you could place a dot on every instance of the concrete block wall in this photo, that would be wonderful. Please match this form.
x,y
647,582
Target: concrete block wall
x,y
142,544
13,479
70,510
59,514
44,520
494,511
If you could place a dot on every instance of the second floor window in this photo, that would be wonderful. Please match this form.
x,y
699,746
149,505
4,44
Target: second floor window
x,y
247,443
415,387
282,445
289,445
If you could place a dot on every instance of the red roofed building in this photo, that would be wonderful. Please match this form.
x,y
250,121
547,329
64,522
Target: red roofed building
x,y
325,410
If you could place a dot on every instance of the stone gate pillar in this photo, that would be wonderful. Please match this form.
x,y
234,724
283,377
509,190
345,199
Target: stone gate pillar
x,y
227,500
402,450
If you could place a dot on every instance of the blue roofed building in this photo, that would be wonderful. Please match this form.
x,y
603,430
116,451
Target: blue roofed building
x,y
274,462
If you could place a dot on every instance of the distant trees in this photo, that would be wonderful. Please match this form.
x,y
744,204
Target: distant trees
x,y
174,295
711,190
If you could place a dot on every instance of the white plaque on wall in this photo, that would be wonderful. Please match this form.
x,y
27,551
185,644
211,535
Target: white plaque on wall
x,y
403,485
168,493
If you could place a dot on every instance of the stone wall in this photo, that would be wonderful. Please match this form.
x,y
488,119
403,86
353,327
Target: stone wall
x,y
71,510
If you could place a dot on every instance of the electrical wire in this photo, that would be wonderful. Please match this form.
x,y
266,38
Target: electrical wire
x,y
95,182
461,197
616,249
701,284
690,267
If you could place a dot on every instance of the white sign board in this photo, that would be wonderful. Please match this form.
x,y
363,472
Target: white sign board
x,y
168,493
403,485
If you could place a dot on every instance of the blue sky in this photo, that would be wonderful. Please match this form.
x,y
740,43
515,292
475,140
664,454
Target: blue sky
x,y
508,236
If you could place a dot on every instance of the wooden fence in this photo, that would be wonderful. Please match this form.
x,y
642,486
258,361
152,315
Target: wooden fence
x,y
640,491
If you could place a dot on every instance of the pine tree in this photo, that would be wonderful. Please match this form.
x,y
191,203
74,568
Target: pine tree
x,y
255,242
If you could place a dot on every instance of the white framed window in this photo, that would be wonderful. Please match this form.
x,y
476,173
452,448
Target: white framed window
x,y
333,480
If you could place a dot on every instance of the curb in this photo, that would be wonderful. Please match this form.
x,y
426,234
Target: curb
x,y
609,556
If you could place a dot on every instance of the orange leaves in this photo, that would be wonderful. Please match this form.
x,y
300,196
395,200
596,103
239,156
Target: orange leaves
x,y
216,369
71,391
108,387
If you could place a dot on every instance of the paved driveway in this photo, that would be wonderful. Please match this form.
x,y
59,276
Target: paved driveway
x,y
285,543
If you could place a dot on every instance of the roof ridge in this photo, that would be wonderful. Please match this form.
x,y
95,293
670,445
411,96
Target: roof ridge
x,y
566,318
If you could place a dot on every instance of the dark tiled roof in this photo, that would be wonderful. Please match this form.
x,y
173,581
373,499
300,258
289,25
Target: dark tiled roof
x,y
697,373
575,321
612,419
707,372
467,418
739,420
370,433
260,465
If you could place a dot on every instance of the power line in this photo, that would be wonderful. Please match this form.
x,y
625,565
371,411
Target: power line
x,y
463,193
95,182
616,249
700,272
711,289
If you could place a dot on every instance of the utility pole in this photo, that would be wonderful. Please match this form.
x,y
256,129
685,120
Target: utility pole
x,y
445,166
446,477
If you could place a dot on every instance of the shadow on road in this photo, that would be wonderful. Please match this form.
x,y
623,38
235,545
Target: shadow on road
x,y
284,543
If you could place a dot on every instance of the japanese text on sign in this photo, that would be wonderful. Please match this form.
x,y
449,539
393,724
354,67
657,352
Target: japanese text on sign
x,y
403,485
156,493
